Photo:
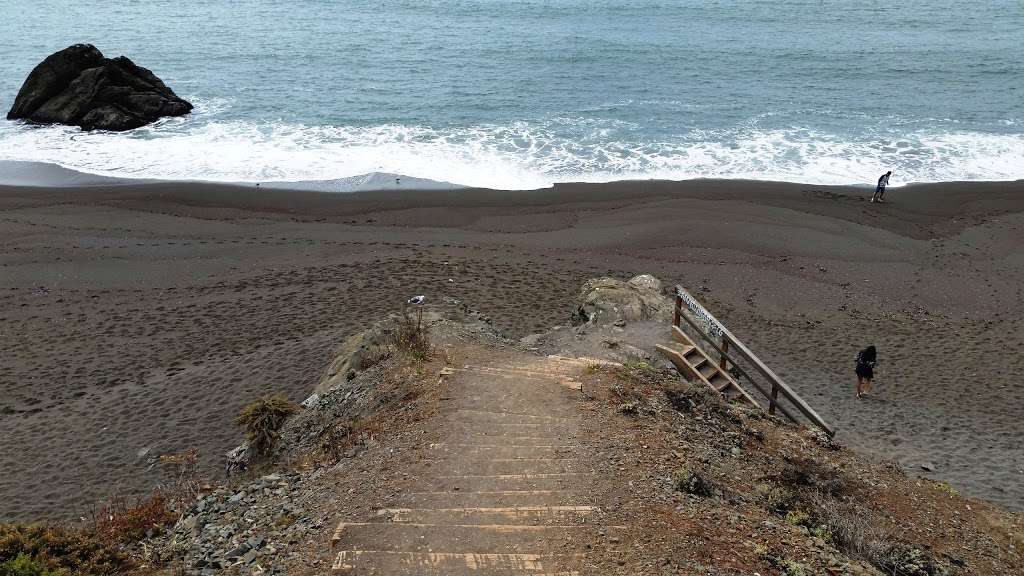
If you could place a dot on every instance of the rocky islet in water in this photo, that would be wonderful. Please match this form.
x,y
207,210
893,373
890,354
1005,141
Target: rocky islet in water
x,y
78,86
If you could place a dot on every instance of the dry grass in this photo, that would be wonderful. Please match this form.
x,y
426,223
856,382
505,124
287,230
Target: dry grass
x,y
412,335
853,532
262,419
121,521
181,483
339,440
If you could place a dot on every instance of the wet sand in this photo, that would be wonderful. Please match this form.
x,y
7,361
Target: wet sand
x,y
136,319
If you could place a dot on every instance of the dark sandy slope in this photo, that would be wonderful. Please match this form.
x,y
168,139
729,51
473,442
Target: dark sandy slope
x,y
135,320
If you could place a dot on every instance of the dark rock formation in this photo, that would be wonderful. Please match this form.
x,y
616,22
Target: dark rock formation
x,y
79,87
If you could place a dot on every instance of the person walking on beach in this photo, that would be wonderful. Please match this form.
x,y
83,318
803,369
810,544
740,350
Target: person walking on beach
x,y
883,181
865,370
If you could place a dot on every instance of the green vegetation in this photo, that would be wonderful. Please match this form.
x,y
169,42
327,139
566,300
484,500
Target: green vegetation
x,y
944,487
22,565
797,518
688,481
41,550
775,497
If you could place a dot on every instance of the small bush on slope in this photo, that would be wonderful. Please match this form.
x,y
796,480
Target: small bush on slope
x,y
262,420
412,335
122,522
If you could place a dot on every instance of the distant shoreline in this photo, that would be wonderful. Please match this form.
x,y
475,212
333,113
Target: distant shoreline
x,y
43,175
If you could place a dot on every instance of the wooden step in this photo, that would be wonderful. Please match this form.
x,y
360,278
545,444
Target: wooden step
x,y
451,563
708,370
472,538
532,515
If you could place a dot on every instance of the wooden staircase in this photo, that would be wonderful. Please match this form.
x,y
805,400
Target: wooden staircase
x,y
696,366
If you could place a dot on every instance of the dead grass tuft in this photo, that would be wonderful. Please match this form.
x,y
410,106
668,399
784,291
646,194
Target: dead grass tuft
x,y
262,419
339,440
853,532
121,521
412,335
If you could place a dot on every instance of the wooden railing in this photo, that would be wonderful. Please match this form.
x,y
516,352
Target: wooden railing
x,y
731,352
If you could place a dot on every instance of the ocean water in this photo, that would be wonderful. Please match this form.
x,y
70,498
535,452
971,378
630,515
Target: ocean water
x,y
522,94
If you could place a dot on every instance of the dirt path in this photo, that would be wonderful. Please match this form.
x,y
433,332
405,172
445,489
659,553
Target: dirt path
x,y
506,491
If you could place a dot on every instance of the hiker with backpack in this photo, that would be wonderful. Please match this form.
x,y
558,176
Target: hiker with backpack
x,y
865,369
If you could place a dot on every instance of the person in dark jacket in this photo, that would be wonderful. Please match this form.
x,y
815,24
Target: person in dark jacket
x,y
865,370
883,181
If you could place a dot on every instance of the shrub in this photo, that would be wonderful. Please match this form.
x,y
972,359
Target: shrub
x,y
262,419
412,336
797,518
688,481
22,565
121,522
58,550
793,568
775,497
945,487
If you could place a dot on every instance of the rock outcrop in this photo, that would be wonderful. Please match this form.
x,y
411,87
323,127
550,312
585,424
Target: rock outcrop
x,y
612,301
78,86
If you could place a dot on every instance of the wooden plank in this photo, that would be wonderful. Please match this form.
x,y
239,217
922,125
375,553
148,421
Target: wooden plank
x,y
685,367
820,423
679,361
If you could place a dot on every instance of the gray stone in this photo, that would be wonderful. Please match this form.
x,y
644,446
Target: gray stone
x,y
237,551
610,301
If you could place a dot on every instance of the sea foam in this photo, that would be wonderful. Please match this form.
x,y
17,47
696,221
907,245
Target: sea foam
x,y
516,155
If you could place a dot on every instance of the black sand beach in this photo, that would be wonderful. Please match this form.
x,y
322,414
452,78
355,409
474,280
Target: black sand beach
x,y
136,319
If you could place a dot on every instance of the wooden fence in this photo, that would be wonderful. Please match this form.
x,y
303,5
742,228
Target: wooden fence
x,y
736,358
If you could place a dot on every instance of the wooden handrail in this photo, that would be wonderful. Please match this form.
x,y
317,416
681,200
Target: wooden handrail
x,y
730,341
725,356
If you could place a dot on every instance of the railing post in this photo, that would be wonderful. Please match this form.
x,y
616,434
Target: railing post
x,y
677,310
774,399
725,350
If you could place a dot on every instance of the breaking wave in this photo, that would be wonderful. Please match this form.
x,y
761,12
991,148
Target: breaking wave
x,y
516,155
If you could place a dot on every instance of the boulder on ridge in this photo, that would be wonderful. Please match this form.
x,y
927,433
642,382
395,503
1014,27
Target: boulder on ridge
x,y
610,301
78,86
